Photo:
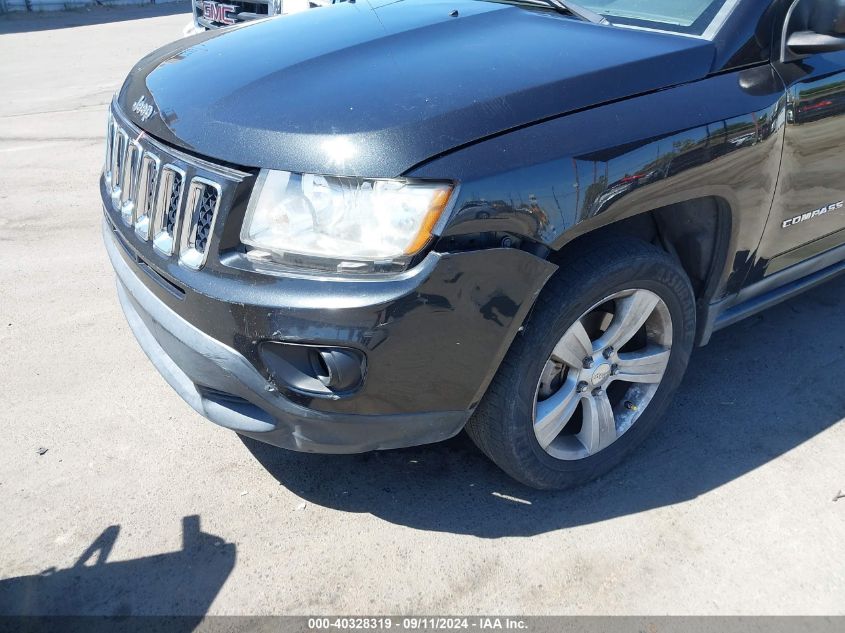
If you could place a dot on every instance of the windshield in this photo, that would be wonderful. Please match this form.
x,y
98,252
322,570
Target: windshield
x,y
683,16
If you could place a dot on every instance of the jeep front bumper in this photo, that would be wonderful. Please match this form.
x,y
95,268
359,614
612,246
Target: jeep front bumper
x,y
433,339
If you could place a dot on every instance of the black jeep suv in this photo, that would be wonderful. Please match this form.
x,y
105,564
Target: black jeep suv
x,y
374,225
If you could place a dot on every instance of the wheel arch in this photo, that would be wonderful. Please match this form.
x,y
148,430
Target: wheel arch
x,y
697,232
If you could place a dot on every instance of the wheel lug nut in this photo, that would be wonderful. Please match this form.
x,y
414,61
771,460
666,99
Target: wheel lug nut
x,y
614,369
608,352
588,362
582,387
596,391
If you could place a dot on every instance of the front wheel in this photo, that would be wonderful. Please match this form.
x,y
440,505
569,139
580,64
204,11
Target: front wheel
x,y
604,351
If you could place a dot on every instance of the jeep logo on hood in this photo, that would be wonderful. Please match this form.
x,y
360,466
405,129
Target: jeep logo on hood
x,y
143,109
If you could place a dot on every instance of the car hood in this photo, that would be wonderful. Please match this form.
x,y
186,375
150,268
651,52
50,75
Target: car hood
x,y
374,89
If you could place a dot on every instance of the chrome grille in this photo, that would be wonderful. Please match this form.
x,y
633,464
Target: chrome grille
x,y
169,198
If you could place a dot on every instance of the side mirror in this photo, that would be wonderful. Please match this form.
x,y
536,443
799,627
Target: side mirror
x,y
816,26
810,43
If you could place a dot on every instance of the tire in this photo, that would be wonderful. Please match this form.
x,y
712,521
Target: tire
x,y
503,425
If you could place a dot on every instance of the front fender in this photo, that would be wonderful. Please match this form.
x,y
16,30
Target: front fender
x,y
556,180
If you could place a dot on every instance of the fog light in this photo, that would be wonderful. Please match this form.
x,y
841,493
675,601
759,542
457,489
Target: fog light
x,y
314,369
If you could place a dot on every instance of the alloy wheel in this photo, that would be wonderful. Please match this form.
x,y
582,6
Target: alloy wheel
x,y
602,374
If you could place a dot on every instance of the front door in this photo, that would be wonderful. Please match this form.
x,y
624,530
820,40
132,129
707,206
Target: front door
x,y
808,216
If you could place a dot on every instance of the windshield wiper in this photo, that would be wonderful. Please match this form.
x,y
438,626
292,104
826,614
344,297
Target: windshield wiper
x,y
582,13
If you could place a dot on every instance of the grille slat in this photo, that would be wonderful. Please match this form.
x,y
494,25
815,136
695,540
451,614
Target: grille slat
x,y
129,181
173,202
150,195
168,208
119,143
109,142
201,212
205,214
147,182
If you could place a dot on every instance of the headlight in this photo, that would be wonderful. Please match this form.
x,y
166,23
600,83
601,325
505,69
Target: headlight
x,y
341,223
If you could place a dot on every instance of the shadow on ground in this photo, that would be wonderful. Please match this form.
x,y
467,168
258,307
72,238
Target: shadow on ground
x,y
26,22
759,389
185,582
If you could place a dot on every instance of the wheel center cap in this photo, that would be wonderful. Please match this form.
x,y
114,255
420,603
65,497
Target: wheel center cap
x,y
600,374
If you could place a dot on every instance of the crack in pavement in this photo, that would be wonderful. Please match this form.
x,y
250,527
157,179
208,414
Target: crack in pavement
x,y
76,109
